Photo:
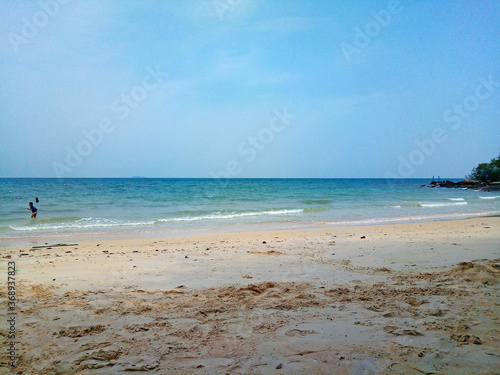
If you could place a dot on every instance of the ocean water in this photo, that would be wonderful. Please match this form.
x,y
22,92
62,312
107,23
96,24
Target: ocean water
x,y
148,207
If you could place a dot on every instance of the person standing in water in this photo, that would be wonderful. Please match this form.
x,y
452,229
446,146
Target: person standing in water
x,y
33,210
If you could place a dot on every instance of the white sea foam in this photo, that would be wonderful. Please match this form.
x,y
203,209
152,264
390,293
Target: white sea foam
x,y
442,204
390,220
456,199
218,215
492,197
84,223
96,223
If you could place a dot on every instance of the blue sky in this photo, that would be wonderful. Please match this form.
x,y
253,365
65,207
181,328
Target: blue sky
x,y
246,88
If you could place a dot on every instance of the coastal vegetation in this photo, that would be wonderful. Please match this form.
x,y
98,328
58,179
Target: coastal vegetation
x,y
487,172
486,177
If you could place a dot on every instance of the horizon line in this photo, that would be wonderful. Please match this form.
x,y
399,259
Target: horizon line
x,y
251,178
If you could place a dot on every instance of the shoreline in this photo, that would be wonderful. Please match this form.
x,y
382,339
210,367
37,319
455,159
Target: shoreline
x,y
175,207
7,242
379,299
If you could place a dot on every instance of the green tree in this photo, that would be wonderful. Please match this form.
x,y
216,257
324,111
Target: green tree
x,y
487,172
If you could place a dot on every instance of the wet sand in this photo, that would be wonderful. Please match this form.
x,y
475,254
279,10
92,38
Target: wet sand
x,y
393,299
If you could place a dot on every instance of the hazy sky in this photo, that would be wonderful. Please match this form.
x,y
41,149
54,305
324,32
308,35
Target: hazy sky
x,y
248,88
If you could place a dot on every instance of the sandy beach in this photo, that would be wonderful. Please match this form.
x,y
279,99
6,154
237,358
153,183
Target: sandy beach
x,y
393,299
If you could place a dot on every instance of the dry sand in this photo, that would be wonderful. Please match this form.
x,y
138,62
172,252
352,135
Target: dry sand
x,y
395,299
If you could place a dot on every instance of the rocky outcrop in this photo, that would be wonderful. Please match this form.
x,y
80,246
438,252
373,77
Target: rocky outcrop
x,y
467,184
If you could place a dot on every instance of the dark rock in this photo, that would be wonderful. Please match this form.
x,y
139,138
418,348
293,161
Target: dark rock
x,y
466,184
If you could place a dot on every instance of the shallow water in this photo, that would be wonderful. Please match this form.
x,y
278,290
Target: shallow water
x,y
147,206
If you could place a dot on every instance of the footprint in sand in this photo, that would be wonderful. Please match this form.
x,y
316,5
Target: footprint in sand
x,y
80,331
299,332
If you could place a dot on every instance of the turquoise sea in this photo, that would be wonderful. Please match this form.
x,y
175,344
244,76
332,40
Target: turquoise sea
x,y
148,207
